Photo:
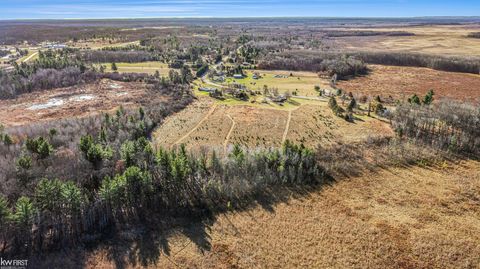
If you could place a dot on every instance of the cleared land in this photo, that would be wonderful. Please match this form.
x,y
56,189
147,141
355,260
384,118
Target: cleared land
x,y
402,82
142,67
409,217
76,101
179,124
302,82
316,124
311,123
438,39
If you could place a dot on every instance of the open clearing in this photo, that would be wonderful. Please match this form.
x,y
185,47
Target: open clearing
x,y
76,101
311,123
142,67
302,82
402,82
438,39
316,124
409,217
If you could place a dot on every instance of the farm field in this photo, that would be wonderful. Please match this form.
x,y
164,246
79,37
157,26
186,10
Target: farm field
x,y
142,67
402,82
313,124
404,217
76,101
98,43
438,39
174,129
206,124
302,82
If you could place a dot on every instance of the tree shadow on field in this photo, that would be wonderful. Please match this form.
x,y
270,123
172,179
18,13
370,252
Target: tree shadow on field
x,y
147,241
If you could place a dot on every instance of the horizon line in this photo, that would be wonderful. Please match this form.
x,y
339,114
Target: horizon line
x,y
245,17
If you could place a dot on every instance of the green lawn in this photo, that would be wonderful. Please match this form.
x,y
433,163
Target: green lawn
x,y
302,82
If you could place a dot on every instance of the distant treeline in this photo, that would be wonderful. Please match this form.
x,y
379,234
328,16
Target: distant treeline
x,y
474,35
103,56
341,65
366,33
442,63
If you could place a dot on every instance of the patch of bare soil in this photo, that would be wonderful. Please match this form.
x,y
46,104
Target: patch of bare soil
x,y
76,101
402,82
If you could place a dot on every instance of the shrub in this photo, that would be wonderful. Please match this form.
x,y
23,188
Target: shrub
x,y
39,146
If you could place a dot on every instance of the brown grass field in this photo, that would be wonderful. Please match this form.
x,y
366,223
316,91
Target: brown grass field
x,y
405,217
76,101
313,125
437,39
219,126
402,82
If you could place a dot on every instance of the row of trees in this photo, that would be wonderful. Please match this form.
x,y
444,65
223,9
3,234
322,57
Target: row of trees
x,y
341,65
103,56
451,64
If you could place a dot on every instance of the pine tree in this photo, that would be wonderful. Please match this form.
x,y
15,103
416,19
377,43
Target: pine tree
x,y
24,211
352,105
414,100
7,140
5,213
428,99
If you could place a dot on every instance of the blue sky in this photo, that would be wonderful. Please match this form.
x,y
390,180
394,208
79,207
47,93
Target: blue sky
x,y
55,9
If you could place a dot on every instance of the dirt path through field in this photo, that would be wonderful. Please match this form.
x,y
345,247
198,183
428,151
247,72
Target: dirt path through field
x,y
227,138
287,126
30,57
210,112
284,137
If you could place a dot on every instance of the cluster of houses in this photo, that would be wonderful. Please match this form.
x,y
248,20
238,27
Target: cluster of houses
x,y
53,45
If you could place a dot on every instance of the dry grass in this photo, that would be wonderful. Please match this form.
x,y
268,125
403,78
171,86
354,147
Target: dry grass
x,y
316,124
177,125
78,101
142,67
258,127
438,39
312,123
409,217
401,82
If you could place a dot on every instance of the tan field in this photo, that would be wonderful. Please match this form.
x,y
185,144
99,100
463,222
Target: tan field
x,y
402,82
408,217
142,67
438,39
313,125
205,124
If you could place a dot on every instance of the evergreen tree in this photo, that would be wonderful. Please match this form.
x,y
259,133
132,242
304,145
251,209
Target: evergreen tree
x,y
428,99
